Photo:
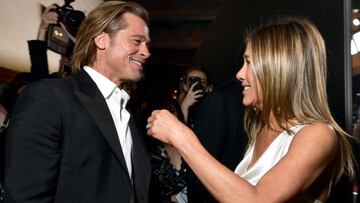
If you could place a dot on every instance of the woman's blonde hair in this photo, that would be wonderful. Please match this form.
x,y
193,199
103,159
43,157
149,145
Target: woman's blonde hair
x,y
289,61
106,17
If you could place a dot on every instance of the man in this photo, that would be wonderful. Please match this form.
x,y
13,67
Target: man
x,y
73,139
219,127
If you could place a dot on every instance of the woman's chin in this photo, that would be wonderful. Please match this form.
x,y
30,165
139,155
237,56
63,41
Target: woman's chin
x,y
246,103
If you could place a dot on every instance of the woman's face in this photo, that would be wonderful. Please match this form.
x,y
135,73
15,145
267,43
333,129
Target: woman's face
x,y
197,74
252,91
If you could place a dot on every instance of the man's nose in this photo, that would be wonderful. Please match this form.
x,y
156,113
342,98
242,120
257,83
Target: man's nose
x,y
145,51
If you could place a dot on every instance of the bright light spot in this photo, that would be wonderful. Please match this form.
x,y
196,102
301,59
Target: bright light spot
x,y
356,22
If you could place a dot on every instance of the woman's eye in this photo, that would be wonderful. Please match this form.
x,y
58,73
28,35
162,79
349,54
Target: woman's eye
x,y
246,61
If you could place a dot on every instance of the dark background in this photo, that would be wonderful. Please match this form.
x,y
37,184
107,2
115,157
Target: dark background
x,y
210,33
218,45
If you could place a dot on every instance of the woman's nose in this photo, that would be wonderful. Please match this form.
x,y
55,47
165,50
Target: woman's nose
x,y
240,75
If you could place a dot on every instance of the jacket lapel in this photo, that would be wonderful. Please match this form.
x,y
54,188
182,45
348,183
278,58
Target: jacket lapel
x,y
140,161
91,98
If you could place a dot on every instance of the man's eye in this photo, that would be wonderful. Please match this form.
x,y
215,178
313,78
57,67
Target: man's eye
x,y
137,41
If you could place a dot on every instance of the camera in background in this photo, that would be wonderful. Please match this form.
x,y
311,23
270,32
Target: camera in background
x,y
57,39
69,17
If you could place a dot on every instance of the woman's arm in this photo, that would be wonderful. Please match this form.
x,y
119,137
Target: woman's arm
x,y
47,17
312,150
190,99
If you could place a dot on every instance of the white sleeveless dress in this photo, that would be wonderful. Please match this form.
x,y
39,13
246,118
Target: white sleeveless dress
x,y
271,156
275,151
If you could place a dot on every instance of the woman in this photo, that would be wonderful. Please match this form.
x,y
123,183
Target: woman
x,y
167,167
296,149
194,85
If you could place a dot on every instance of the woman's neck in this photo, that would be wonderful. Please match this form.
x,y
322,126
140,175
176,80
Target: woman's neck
x,y
275,126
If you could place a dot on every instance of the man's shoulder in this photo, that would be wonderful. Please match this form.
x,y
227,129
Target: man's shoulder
x,y
47,86
49,82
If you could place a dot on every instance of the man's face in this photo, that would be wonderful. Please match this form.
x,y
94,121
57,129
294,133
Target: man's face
x,y
126,51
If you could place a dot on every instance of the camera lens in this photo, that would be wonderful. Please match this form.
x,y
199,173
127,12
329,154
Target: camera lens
x,y
72,20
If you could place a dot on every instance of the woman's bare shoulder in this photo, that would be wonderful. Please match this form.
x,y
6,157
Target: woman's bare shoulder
x,y
317,136
318,131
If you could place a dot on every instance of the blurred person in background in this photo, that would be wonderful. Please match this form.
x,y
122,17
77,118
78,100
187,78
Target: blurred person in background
x,y
5,105
38,48
219,129
194,85
167,166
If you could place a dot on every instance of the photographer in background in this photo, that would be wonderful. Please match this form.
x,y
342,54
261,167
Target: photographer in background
x,y
54,19
38,48
194,85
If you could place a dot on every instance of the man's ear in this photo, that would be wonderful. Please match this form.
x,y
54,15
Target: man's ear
x,y
100,40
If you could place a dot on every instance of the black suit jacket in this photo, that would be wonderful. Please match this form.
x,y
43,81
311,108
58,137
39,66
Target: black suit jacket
x,y
219,126
62,146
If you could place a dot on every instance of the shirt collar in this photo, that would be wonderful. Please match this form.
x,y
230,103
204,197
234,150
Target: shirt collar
x,y
106,86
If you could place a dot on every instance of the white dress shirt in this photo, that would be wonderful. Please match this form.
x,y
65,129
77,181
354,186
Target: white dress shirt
x,y
116,100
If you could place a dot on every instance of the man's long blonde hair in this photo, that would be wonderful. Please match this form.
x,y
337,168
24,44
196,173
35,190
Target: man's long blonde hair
x,y
289,61
106,17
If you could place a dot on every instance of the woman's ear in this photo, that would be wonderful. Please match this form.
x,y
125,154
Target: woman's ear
x,y
101,40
